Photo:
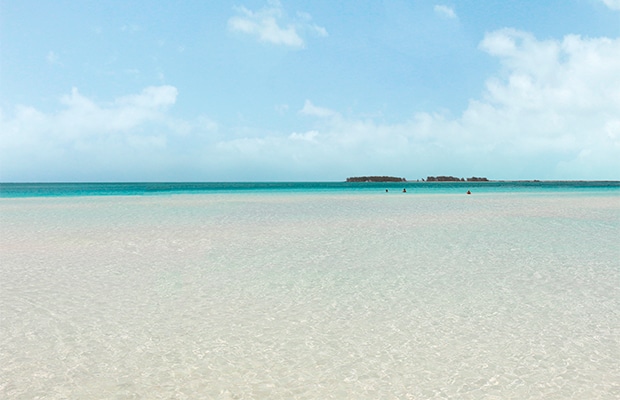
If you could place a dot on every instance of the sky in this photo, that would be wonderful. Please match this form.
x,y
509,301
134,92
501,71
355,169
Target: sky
x,y
291,90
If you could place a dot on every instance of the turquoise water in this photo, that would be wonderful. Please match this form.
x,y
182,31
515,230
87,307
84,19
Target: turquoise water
x,y
310,291
143,188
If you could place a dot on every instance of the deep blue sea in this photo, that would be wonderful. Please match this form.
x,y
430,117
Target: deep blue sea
x,y
10,190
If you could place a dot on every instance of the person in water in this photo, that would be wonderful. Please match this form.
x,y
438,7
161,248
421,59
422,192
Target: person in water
x,y
404,190
468,192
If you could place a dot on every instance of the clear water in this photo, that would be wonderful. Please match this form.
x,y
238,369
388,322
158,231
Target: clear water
x,y
509,294
159,188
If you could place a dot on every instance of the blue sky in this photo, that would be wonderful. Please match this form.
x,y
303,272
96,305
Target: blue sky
x,y
308,91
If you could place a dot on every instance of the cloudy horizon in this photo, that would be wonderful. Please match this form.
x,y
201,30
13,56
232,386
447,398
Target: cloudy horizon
x,y
286,91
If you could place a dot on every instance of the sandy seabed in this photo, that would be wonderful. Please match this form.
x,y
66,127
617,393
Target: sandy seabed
x,y
282,296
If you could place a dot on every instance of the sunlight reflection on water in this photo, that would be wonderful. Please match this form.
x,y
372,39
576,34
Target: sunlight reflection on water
x,y
321,296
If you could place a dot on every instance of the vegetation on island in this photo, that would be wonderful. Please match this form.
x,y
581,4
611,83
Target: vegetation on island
x,y
440,178
455,179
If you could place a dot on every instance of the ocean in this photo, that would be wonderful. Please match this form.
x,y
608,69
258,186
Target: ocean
x,y
310,290
158,188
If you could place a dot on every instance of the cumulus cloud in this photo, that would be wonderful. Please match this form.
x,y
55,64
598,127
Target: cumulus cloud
x,y
82,116
558,97
86,136
552,111
612,4
572,75
312,110
272,25
445,11
306,136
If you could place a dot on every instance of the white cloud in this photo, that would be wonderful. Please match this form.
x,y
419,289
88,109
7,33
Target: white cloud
x,y
612,4
306,136
312,110
306,21
127,138
551,112
82,116
272,25
265,26
445,11
153,97
575,74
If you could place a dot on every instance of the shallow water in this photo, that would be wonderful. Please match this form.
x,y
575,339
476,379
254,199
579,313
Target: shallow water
x,y
324,295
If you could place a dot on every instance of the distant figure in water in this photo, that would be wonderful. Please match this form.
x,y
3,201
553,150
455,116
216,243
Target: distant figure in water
x,y
386,190
404,190
468,192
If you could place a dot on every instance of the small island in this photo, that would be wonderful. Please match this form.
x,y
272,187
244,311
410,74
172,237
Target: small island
x,y
440,178
375,179
455,179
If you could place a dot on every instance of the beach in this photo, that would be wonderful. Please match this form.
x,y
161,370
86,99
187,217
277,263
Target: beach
x,y
321,295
